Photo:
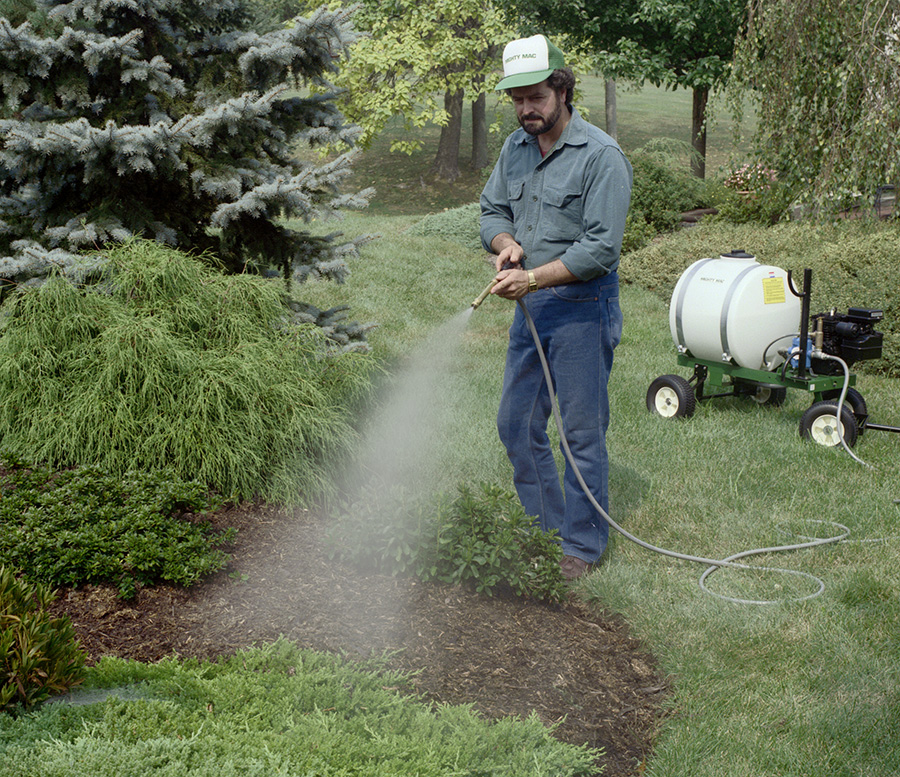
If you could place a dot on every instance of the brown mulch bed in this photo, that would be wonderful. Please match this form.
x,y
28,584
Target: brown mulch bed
x,y
576,668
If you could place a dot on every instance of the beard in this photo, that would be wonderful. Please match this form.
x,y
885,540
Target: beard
x,y
544,124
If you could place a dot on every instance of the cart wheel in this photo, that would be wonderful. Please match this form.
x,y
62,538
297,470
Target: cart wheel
x,y
671,396
853,398
773,396
819,424
856,402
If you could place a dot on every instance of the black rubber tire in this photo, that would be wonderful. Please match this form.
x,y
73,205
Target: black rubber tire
x,y
671,396
770,396
854,399
819,424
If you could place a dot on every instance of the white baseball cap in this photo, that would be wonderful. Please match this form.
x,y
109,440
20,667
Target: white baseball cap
x,y
529,61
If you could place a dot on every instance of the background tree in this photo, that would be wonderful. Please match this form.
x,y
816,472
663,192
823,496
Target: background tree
x,y
173,120
671,43
422,61
825,76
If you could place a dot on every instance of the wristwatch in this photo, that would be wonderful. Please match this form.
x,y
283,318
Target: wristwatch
x,y
532,282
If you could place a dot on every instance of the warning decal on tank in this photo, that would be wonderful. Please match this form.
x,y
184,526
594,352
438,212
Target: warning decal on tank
x,y
773,291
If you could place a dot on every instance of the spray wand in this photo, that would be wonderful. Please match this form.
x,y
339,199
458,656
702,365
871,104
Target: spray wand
x,y
483,296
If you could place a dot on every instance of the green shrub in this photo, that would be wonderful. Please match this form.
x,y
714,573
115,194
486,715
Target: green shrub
x,y
638,232
459,225
481,537
87,526
663,189
171,364
39,655
664,186
275,710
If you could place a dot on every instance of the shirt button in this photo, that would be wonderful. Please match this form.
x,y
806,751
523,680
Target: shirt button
x,y
528,228
534,199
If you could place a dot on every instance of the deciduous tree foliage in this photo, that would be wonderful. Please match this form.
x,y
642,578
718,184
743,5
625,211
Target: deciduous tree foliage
x,y
422,61
672,43
826,78
173,120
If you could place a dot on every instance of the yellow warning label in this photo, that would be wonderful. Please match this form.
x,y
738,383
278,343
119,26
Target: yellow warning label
x,y
773,291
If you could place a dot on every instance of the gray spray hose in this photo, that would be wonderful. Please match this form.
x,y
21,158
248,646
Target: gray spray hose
x,y
713,564
840,404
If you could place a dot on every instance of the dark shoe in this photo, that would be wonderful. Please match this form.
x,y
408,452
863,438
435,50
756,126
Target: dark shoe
x,y
573,567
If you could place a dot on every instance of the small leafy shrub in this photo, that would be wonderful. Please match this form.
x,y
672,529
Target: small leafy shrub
x,y
751,194
39,654
85,525
481,537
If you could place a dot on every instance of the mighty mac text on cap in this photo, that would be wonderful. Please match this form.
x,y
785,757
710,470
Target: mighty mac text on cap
x,y
529,61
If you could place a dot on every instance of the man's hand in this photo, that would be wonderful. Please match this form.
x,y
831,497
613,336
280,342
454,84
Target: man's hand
x,y
511,284
509,252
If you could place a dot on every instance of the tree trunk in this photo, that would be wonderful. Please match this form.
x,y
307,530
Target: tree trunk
x,y
446,161
698,132
479,133
612,127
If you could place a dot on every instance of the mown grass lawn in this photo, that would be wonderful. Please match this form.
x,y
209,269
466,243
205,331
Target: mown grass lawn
x,y
790,688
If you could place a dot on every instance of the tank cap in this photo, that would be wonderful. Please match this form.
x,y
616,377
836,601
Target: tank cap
x,y
738,253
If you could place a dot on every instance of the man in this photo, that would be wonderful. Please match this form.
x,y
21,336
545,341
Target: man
x,y
553,212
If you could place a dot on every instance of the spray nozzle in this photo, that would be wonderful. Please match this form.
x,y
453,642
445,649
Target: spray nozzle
x,y
483,296
507,265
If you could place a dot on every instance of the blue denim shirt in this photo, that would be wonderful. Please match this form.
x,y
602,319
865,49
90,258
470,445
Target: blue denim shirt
x,y
569,205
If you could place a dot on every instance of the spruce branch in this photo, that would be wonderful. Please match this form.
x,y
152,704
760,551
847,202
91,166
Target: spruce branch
x,y
172,120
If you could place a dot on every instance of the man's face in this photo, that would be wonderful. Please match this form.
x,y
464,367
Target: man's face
x,y
538,107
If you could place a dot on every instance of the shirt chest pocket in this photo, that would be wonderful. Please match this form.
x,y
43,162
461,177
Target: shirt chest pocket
x,y
514,192
563,212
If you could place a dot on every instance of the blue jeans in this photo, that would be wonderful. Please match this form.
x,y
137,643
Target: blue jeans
x,y
579,325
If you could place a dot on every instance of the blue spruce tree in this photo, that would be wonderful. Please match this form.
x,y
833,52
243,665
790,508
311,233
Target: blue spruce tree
x,y
173,120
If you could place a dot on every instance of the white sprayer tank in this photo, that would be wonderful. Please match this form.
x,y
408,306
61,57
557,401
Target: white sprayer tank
x,y
734,310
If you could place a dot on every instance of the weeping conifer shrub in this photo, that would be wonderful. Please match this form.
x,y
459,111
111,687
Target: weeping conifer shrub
x,y
170,363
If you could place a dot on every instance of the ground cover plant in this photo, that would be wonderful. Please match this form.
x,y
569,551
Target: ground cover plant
x,y
84,525
272,710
